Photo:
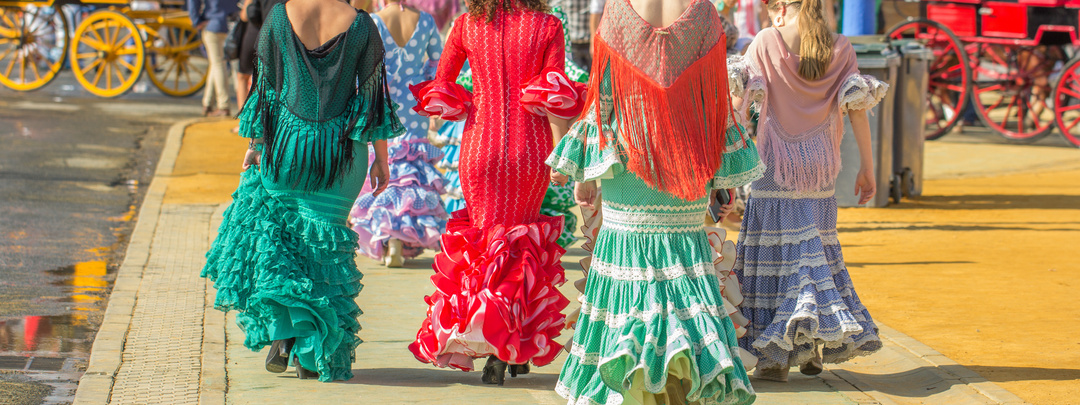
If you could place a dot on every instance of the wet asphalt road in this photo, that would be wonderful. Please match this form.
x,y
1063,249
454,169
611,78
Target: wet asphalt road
x,y
73,171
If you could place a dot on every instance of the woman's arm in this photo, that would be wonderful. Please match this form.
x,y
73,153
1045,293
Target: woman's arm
x,y
380,168
865,183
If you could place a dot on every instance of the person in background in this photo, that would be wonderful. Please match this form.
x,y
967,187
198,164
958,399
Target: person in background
x,y
211,19
245,66
799,298
579,27
596,11
409,216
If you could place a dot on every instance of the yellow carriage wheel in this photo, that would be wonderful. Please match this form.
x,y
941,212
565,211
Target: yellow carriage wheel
x,y
107,54
176,62
32,46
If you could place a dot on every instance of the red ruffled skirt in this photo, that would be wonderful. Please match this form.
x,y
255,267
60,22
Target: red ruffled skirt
x,y
495,294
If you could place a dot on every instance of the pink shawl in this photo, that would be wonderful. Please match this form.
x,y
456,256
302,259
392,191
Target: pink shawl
x,y
801,126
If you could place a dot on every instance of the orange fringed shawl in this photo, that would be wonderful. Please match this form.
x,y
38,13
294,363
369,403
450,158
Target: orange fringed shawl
x,y
672,137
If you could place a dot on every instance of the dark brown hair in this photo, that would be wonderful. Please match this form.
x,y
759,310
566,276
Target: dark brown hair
x,y
489,8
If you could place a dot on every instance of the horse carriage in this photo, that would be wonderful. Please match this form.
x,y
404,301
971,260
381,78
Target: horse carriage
x,y
1012,61
113,42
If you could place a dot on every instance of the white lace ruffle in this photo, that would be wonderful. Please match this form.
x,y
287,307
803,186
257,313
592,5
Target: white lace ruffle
x,y
738,180
861,92
628,273
789,236
665,208
616,321
792,194
652,221
763,268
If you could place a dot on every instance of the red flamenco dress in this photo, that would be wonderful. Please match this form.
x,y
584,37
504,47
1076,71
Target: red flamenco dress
x,y
495,279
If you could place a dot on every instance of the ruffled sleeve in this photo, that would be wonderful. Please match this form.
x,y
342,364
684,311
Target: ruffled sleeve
x,y
371,111
579,155
552,92
746,79
746,82
378,125
741,163
254,114
447,100
861,92
442,97
250,122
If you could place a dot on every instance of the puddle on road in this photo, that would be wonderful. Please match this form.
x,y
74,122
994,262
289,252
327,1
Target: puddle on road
x,y
86,288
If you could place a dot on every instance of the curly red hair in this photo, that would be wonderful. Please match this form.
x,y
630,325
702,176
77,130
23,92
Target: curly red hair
x,y
489,8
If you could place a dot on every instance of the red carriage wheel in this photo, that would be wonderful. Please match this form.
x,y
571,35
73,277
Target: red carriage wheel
x,y
1011,91
1066,98
950,73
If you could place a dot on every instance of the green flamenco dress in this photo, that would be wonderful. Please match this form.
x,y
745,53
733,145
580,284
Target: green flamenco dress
x,y
284,255
652,303
653,326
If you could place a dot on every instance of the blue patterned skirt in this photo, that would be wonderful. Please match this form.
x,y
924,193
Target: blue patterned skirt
x,y
798,291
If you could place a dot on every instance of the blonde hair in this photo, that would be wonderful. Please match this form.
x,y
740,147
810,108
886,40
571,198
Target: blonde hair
x,y
816,41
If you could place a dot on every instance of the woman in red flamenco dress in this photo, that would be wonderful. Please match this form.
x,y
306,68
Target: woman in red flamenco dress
x,y
495,279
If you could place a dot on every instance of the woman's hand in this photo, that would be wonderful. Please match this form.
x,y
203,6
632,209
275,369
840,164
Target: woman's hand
x,y
558,178
585,193
725,209
380,176
252,157
865,185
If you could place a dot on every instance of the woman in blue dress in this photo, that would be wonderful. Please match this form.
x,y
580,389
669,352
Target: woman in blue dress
x,y
409,216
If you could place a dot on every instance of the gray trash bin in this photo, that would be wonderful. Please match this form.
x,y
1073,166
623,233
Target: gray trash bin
x,y
877,59
909,126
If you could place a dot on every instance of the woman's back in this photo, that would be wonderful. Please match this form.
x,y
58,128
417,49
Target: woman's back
x,y
401,23
661,13
507,52
316,22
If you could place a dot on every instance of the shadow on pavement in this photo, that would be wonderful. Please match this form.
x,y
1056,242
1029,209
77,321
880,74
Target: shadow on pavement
x,y
1008,226
928,381
1005,374
991,202
432,378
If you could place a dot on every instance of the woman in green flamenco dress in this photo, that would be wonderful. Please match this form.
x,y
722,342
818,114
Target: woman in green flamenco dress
x,y
658,134
284,255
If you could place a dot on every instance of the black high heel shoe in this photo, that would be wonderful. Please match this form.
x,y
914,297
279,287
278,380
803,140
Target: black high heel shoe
x,y
516,369
277,361
494,371
303,373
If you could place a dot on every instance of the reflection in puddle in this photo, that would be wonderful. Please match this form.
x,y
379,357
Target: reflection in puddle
x,y
62,334
87,286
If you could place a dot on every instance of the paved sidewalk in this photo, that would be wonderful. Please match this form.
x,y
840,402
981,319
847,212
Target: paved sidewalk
x,y
162,342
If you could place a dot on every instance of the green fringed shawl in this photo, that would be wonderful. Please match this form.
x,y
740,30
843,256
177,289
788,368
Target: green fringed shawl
x,y
337,93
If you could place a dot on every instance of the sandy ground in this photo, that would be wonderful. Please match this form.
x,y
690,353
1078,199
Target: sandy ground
x,y
985,271
982,268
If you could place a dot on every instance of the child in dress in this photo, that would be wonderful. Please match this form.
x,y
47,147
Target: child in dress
x,y
800,301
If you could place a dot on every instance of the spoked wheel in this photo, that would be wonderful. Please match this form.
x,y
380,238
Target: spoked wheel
x,y
108,55
1011,91
33,46
176,62
950,74
1066,98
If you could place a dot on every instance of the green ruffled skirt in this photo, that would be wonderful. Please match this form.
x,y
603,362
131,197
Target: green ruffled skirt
x,y
285,261
653,321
